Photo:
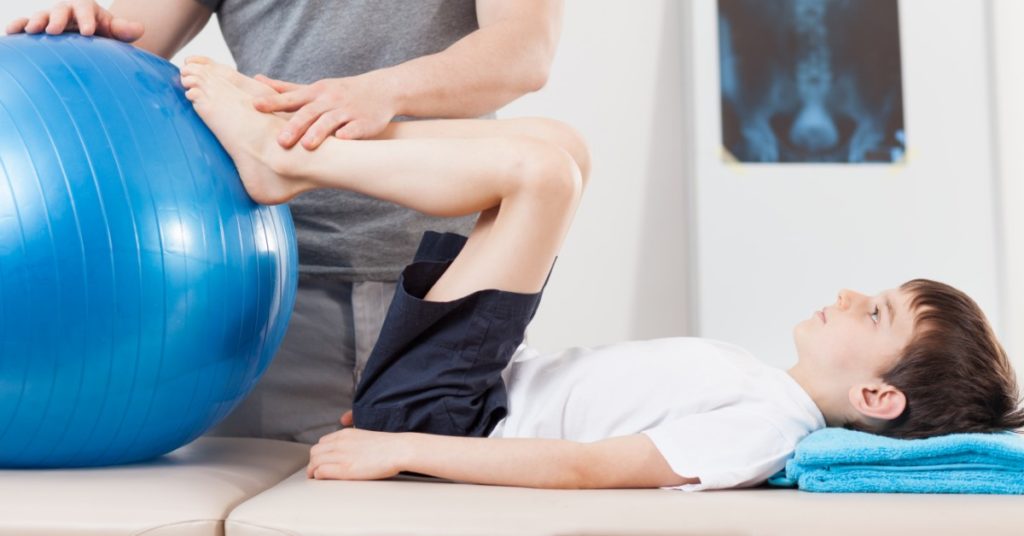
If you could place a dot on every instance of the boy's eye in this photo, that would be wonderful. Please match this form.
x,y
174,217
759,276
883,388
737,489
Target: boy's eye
x,y
874,315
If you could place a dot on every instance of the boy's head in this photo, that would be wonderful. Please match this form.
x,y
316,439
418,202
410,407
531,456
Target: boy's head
x,y
916,361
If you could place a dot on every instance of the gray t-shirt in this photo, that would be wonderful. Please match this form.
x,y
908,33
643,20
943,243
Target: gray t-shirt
x,y
344,235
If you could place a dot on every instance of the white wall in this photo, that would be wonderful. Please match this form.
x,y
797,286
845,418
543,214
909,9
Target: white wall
x,y
210,43
775,242
1006,18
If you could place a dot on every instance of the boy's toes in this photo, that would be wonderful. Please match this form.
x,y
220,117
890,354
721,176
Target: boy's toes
x,y
194,94
234,77
193,69
201,60
227,72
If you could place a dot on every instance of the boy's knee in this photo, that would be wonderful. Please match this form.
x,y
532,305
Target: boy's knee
x,y
565,137
551,175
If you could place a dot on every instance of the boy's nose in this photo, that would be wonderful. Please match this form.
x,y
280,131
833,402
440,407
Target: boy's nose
x,y
847,297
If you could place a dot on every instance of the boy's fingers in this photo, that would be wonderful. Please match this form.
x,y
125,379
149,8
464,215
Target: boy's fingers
x,y
324,443
329,472
317,464
346,418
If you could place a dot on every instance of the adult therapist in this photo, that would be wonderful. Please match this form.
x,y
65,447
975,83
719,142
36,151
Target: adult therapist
x,y
345,68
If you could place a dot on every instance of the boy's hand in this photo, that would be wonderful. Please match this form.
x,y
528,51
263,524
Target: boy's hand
x,y
353,454
346,419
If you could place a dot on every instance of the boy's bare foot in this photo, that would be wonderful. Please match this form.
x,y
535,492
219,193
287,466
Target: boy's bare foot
x,y
249,85
248,135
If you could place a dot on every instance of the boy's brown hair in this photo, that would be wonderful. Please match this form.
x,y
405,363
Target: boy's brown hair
x,y
954,373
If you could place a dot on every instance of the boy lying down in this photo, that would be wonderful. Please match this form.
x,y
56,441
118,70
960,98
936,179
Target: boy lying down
x,y
450,390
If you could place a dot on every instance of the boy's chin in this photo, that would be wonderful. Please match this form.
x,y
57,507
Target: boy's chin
x,y
800,328
801,338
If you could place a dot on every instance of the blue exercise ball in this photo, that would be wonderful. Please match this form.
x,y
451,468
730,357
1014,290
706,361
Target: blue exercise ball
x,y
142,292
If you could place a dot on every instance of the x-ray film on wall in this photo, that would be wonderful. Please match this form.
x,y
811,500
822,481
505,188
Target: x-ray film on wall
x,y
811,80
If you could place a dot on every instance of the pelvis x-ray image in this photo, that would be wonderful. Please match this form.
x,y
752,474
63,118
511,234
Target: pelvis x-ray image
x,y
811,80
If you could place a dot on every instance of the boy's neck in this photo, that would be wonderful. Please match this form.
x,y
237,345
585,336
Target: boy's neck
x,y
818,395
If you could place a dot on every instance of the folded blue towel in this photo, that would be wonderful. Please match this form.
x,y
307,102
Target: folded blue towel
x,y
840,460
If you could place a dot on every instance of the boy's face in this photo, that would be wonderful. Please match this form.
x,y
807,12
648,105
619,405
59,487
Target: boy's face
x,y
857,338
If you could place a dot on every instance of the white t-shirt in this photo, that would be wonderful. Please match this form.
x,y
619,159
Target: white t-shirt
x,y
713,410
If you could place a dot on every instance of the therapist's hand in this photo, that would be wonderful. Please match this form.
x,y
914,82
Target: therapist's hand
x,y
83,16
355,107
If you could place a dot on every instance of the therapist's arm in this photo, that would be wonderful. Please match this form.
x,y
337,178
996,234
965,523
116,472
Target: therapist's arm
x,y
508,56
620,462
170,24
162,27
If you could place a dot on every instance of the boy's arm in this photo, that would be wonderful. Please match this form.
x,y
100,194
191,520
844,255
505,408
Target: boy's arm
x,y
620,462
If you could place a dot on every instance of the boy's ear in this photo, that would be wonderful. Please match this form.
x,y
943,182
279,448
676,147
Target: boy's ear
x,y
878,401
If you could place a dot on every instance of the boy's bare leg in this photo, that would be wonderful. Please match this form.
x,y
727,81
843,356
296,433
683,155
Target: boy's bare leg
x,y
541,129
526,188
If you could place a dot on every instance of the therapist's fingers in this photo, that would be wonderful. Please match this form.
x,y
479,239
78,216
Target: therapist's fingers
x,y
85,17
37,22
126,30
17,25
279,86
59,17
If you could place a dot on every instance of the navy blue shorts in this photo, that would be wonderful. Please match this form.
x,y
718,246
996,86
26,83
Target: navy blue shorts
x,y
436,367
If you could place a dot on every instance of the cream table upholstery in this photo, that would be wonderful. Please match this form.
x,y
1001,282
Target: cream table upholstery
x,y
234,487
299,506
187,492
